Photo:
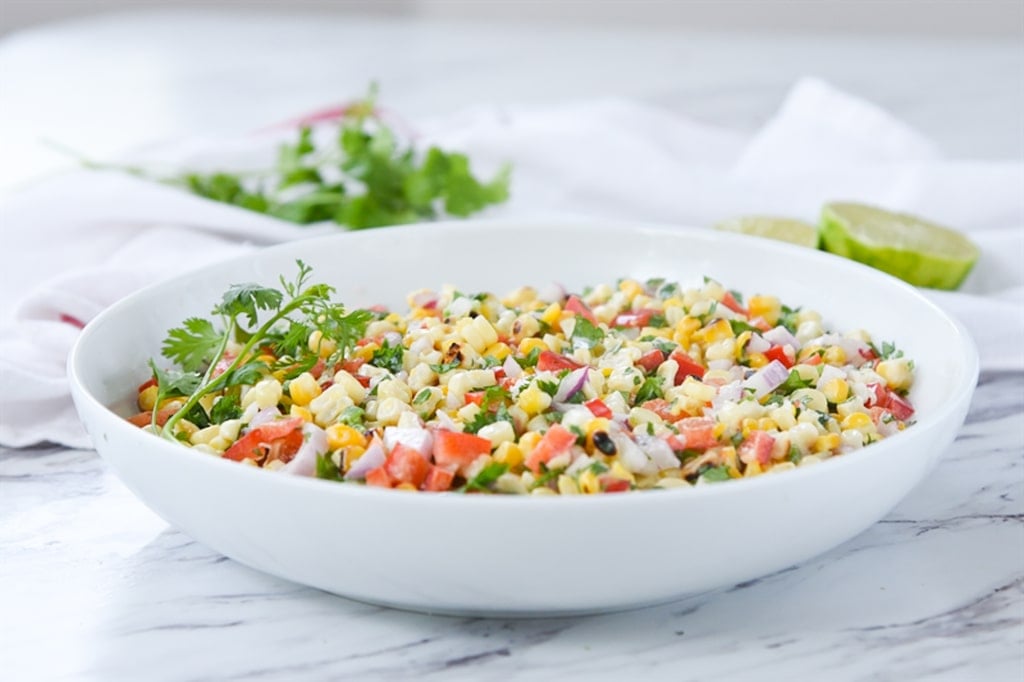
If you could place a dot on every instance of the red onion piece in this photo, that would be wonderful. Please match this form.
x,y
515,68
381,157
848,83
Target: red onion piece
x,y
314,443
767,379
371,459
420,440
780,336
631,456
759,344
571,384
264,416
512,368
421,299
658,450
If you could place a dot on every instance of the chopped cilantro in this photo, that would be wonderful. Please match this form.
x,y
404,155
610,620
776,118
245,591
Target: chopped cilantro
x,y
585,334
446,366
352,416
530,360
389,357
228,407
649,390
327,469
739,326
549,387
793,382
719,473
485,477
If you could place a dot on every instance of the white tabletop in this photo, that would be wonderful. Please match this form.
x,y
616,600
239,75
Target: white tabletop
x,y
95,586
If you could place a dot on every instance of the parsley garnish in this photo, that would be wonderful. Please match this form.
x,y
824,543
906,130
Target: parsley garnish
x,y
649,390
389,357
585,334
486,477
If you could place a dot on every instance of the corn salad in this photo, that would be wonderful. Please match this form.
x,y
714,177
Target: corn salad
x,y
626,386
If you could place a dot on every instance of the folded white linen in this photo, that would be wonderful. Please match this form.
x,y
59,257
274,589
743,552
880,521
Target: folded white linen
x,y
609,159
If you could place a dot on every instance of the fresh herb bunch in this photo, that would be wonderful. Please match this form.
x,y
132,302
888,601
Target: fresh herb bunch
x,y
214,360
366,178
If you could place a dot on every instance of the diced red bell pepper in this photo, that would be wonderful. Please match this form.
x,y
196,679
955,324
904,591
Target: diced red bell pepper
x,y
598,408
757,447
407,465
454,450
779,353
548,361
253,443
698,433
687,367
635,318
660,407
437,479
557,441
612,484
576,306
475,398
651,360
146,384
887,399
730,302
379,477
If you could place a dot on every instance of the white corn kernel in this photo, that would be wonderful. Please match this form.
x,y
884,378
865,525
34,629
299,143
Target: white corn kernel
x,y
394,388
390,410
266,393
499,432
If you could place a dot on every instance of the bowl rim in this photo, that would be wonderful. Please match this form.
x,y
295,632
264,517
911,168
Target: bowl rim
x,y
969,371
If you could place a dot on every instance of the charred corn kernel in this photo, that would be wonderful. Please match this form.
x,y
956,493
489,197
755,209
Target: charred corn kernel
x,y
767,307
266,393
620,472
528,441
589,483
836,390
826,443
323,347
352,455
718,431
299,411
303,389
716,331
631,288
509,453
753,469
834,355
498,351
147,398
533,400
551,315
757,360
896,373
857,420
567,486
405,486
527,346
341,436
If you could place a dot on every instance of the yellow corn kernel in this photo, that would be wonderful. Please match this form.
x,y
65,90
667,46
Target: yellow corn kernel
x,y
728,457
857,420
896,372
718,431
510,454
834,355
741,341
766,424
631,288
528,441
342,435
405,486
517,298
747,426
352,454
187,428
753,469
321,346
533,400
303,389
767,307
620,472
589,483
498,351
527,346
757,360
836,390
147,398
567,486
672,302
826,443
716,331
366,352
299,411
551,315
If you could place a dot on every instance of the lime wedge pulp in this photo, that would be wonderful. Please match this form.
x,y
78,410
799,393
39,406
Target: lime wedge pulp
x,y
915,250
781,229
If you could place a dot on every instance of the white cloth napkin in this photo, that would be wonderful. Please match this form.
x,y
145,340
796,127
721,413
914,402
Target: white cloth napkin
x,y
77,242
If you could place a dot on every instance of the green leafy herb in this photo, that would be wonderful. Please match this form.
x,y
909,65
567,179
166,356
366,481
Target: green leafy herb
x,y
794,454
422,396
719,473
547,475
649,390
389,357
530,360
446,366
739,326
788,319
549,387
327,469
793,382
890,351
228,407
486,477
585,334
193,344
353,416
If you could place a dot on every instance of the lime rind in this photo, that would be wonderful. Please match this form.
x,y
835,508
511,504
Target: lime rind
x,y
770,227
914,250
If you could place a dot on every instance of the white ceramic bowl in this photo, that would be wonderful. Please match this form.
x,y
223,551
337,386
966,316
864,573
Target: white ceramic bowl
x,y
525,555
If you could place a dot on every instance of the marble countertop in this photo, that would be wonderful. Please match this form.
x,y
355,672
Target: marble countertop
x,y
95,586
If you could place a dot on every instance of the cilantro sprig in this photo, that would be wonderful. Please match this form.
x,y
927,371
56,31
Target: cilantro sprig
x,y
201,349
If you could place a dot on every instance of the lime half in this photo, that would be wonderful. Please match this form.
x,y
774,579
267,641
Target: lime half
x,y
782,229
915,250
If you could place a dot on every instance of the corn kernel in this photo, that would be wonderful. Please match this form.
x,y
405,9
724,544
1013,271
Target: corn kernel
x,y
757,360
768,308
533,400
834,355
552,315
620,472
351,456
857,420
147,398
753,469
589,483
405,486
510,454
567,486
836,390
303,389
299,411
320,345
498,351
826,443
631,288
342,435
896,373
266,393
528,441
527,346
716,331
